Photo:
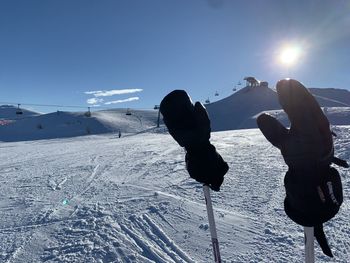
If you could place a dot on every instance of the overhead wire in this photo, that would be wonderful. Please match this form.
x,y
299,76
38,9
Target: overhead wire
x,y
54,105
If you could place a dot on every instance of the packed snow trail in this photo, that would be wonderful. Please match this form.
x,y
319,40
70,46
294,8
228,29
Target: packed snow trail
x,y
104,199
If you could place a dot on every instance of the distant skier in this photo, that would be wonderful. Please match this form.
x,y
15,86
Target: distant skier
x,y
313,188
119,134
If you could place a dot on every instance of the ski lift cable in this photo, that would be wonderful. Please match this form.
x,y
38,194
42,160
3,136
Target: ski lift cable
x,y
52,105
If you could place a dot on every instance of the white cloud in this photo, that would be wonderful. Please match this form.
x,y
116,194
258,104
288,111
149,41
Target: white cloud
x,y
107,93
120,101
94,101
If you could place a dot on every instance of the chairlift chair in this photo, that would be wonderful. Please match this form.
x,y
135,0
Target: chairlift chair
x,y
19,111
88,113
128,112
216,93
207,101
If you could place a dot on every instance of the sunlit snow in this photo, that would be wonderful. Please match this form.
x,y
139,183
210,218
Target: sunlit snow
x,y
65,197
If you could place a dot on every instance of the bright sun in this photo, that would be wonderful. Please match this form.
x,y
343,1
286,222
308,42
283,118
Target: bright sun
x,y
289,55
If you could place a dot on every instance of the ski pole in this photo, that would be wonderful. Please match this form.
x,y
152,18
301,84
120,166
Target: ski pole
x,y
212,227
309,245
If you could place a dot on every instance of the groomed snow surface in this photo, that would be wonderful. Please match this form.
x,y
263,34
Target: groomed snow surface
x,y
99,198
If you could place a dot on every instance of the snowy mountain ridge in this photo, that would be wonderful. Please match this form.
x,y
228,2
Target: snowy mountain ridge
x,y
237,111
341,95
8,112
62,124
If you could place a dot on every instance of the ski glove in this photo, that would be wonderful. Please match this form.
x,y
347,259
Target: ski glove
x,y
189,125
313,188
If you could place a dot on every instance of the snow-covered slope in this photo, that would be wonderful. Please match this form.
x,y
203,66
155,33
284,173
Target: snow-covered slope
x,y
335,115
341,95
103,199
70,124
230,113
8,112
239,110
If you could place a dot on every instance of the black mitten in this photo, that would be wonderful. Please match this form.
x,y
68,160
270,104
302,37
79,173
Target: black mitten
x,y
313,188
190,126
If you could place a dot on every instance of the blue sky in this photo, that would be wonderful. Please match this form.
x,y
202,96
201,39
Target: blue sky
x,y
131,53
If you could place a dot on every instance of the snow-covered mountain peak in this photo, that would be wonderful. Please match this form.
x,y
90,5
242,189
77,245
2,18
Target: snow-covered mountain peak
x,y
69,124
230,113
239,110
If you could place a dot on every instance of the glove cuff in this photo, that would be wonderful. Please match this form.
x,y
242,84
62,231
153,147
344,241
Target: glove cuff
x,y
313,198
199,148
205,165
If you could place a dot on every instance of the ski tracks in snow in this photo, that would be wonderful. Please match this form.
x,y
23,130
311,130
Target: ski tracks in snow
x,y
83,214
100,199
157,246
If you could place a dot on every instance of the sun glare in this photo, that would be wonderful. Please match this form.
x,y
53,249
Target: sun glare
x,y
289,55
